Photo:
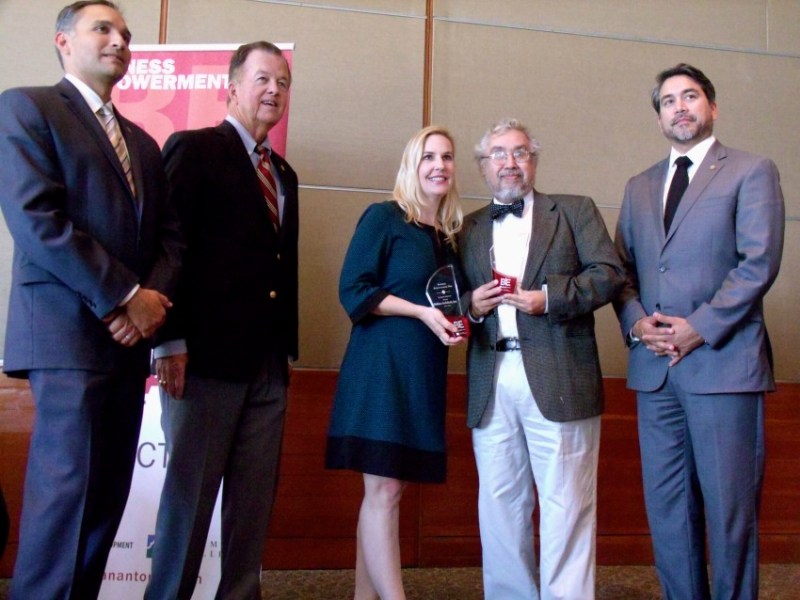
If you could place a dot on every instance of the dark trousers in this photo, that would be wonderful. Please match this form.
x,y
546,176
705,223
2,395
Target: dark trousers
x,y
80,466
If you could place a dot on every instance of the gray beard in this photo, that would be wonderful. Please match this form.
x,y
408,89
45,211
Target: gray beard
x,y
508,195
687,135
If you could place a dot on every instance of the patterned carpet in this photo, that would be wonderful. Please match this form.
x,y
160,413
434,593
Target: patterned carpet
x,y
778,582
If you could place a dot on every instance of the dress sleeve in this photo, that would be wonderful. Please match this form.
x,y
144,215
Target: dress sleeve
x,y
361,280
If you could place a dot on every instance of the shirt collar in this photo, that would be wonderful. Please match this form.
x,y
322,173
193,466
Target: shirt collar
x,y
247,139
527,197
89,95
696,154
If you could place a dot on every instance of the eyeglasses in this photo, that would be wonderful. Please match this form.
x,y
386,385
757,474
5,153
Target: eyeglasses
x,y
500,156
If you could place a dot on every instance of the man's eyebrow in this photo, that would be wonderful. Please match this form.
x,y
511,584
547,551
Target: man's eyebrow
x,y
125,32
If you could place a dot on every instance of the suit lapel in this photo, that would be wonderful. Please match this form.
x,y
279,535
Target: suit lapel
x,y
657,198
252,189
708,169
75,102
545,221
136,160
290,200
483,233
78,106
279,171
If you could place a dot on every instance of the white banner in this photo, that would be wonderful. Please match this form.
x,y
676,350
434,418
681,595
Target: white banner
x,y
128,568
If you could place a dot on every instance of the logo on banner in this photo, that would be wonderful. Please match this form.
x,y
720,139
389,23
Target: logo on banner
x,y
174,87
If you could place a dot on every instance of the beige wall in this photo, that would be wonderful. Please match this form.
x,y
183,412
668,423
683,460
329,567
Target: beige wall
x,y
577,71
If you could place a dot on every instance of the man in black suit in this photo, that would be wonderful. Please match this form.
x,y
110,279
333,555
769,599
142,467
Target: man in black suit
x,y
96,255
224,361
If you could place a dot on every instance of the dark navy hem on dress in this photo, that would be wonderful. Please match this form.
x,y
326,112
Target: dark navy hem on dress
x,y
386,459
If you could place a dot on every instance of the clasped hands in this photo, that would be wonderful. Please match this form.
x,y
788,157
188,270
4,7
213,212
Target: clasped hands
x,y
667,336
488,296
139,318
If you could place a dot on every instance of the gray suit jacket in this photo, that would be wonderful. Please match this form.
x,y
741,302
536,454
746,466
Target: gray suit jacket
x,y
570,251
713,268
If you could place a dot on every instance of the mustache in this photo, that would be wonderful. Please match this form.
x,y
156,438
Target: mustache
x,y
691,118
510,171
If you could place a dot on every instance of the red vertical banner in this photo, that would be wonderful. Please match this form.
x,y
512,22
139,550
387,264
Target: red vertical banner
x,y
173,87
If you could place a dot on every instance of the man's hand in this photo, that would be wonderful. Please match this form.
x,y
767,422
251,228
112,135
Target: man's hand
x,y
485,299
684,338
147,309
667,336
532,302
122,329
654,337
171,373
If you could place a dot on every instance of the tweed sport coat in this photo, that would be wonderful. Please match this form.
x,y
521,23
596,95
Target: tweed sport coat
x,y
570,251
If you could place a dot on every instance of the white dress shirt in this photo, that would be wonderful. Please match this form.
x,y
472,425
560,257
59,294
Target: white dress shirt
x,y
511,237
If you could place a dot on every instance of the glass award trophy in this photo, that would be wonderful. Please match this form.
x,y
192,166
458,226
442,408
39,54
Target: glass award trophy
x,y
507,283
442,293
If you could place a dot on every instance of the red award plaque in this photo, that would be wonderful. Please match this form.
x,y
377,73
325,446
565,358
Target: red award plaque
x,y
508,283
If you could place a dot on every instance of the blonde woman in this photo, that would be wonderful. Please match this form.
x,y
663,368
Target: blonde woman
x,y
389,409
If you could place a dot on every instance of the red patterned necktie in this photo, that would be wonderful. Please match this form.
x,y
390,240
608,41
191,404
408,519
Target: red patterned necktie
x,y
268,187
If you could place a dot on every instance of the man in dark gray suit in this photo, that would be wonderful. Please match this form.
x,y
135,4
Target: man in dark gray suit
x,y
701,240
224,358
96,255
535,388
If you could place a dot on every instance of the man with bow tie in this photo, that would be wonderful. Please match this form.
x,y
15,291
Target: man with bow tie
x,y
538,266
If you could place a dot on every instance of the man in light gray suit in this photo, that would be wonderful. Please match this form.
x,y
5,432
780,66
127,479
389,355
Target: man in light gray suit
x,y
535,388
700,357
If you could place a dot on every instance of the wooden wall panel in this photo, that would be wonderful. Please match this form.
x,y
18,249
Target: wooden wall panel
x,y
316,510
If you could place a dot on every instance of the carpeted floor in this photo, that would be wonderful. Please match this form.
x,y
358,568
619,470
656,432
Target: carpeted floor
x,y
778,582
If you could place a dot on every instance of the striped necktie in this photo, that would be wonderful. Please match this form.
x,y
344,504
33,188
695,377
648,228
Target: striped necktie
x,y
268,186
114,134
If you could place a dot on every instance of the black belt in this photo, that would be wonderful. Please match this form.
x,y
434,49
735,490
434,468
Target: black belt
x,y
507,345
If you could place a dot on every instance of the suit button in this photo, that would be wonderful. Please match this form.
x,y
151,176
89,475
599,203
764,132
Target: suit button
x,y
662,269
273,294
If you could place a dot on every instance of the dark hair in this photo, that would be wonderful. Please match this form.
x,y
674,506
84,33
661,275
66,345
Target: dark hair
x,y
65,21
242,52
66,18
689,71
